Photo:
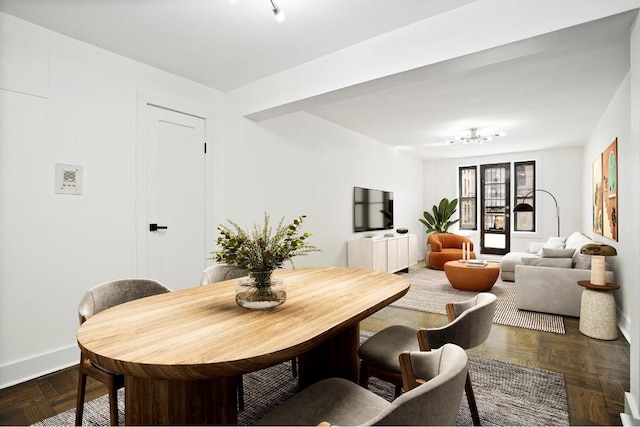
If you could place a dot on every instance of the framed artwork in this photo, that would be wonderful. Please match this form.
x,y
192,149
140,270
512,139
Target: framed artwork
x,y
610,191
596,191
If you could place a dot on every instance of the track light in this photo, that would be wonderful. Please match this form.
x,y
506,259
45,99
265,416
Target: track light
x,y
277,12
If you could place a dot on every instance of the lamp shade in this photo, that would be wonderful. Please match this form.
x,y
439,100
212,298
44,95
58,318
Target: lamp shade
x,y
598,251
523,207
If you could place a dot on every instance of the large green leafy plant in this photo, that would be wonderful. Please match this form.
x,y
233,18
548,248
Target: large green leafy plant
x,y
440,220
263,249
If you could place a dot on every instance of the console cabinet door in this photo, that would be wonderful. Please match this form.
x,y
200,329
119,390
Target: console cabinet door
x,y
403,253
413,249
392,254
380,255
367,253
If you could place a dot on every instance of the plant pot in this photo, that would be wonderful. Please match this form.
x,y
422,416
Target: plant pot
x,y
260,291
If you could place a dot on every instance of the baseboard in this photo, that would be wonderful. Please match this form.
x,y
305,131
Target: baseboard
x,y
34,367
624,325
630,416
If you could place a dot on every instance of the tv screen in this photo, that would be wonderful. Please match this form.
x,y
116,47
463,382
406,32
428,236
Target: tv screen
x,y
372,209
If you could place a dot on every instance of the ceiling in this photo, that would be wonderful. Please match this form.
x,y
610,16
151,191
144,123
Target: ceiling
x,y
551,96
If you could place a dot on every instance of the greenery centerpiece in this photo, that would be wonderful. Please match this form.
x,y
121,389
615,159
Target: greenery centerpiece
x,y
261,251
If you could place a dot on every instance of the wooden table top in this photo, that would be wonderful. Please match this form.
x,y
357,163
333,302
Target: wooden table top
x,y
201,332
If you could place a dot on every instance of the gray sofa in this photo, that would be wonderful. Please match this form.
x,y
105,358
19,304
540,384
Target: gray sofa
x,y
546,276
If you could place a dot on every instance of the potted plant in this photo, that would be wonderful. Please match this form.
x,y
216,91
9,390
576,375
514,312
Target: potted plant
x,y
440,220
260,252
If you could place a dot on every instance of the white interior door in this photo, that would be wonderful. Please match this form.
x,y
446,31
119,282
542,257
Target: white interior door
x,y
173,197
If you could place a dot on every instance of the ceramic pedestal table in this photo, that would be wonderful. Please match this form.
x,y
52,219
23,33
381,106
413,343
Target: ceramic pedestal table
x,y
598,311
182,352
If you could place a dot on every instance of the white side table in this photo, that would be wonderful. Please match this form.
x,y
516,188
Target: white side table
x,y
598,311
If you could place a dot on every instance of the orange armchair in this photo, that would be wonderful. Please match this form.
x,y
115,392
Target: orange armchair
x,y
444,247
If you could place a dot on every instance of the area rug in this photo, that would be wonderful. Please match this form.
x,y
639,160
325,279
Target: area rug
x,y
430,291
506,395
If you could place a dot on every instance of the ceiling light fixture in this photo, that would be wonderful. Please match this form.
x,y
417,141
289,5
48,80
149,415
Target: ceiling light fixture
x,y
277,12
474,137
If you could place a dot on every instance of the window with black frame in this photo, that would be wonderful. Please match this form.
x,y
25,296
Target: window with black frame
x,y
468,178
525,194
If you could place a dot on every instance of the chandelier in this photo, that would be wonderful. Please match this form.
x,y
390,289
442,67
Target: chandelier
x,y
474,137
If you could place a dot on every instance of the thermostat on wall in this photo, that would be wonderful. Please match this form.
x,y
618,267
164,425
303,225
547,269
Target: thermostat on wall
x,y
68,179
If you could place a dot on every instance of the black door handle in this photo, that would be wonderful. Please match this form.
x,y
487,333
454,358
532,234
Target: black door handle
x,y
156,227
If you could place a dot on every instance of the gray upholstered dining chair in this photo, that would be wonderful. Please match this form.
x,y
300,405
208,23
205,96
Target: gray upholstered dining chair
x,y
95,300
220,272
469,326
432,399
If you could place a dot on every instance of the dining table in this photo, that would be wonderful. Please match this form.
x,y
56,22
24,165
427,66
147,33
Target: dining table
x,y
182,353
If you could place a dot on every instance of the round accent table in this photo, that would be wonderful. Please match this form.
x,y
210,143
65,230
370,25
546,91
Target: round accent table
x,y
477,279
598,311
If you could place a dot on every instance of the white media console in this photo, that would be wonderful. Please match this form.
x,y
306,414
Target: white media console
x,y
388,254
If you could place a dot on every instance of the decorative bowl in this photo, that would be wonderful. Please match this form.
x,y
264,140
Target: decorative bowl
x,y
369,234
402,231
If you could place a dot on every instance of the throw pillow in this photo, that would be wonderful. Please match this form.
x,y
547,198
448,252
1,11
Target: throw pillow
x,y
548,262
557,253
551,245
535,247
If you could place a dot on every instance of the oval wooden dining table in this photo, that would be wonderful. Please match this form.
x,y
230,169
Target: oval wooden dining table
x,y
183,352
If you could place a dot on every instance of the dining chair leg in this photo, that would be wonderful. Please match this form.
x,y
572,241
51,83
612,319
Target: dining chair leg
x,y
364,374
241,393
113,402
82,386
471,398
397,391
294,368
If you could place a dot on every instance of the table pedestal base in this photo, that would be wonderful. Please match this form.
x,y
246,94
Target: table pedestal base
x,y
336,357
598,315
152,402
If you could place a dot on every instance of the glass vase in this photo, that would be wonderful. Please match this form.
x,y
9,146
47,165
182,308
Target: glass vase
x,y
260,291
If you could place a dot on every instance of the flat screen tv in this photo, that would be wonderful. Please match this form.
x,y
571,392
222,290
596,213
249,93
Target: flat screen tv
x,y
372,209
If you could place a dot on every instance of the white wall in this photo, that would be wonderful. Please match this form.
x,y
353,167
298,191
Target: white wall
x,y
557,171
632,403
301,164
622,120
616,123
54,247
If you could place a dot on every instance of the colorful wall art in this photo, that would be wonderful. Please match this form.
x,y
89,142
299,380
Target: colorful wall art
x,y
596,192
610,191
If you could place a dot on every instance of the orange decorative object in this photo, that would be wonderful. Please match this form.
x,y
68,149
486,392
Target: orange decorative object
x,y
444,247
478,279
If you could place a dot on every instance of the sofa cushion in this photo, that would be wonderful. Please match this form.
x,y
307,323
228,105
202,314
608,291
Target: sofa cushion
x,y
557,253
548,262
510,260
577,240
582,261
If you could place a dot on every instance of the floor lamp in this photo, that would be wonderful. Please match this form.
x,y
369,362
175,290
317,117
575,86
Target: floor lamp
x,y
525,207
